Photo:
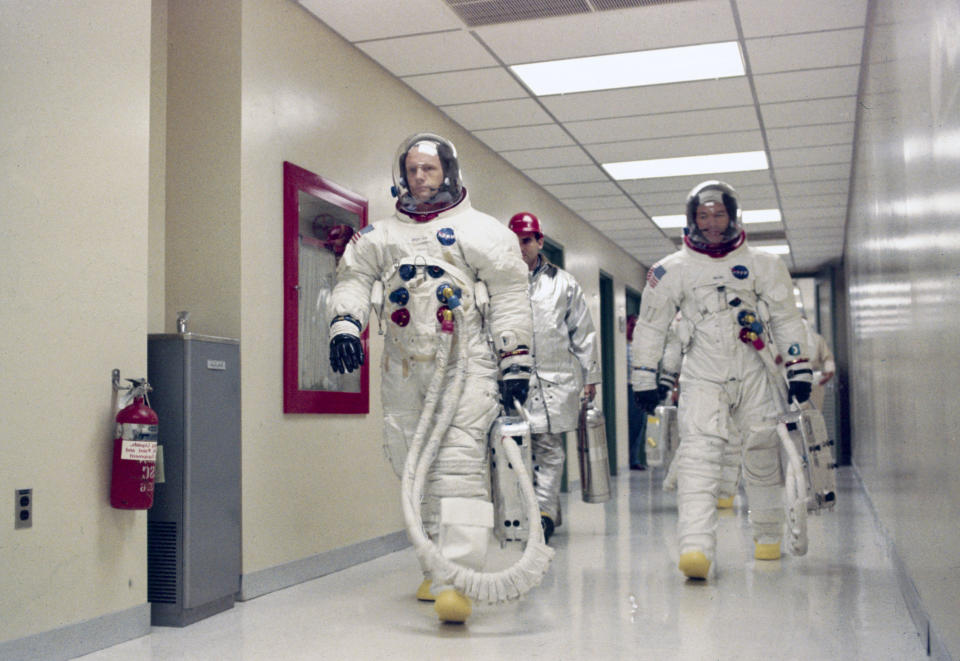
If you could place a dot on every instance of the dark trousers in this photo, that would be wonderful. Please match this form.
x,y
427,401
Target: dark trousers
x,y
637,418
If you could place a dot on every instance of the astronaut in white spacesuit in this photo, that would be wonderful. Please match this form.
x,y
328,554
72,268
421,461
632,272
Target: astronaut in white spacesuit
x,y
678,339
436,242
722,287
565,362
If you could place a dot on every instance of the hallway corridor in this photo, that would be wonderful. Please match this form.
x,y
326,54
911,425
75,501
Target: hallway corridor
x,y
613,592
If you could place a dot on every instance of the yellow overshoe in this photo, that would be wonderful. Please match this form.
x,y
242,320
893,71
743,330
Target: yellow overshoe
x,y
452,606
725,503
766,551
694,564
423,592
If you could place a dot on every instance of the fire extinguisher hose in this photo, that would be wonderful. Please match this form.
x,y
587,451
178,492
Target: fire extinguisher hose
x,y
492,587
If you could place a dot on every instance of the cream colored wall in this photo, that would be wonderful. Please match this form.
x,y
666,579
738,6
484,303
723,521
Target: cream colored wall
x,y
203,197
74,149
314,483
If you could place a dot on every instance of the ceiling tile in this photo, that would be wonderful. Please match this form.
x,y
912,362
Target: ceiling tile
x,y
713,143
772,17
626,30
548,157
665,125
406,56
566,175
650,100
444,89
810,136
527,137
805,51
812,156
813,172
563,191
597,202
829,186
800,113
802,85
495,114
353,19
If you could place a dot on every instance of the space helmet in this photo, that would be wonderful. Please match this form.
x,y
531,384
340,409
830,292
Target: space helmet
x,y
720,192
451,190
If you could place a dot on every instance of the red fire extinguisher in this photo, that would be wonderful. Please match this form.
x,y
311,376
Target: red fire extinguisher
x,y
134,452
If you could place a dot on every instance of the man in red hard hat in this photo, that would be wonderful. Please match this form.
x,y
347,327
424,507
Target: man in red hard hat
x,y
565,362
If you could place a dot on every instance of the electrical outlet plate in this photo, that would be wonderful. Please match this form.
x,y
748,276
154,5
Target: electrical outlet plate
x,y
23,508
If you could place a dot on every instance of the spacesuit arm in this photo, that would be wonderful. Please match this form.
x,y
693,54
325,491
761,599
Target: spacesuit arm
x,y
775,291
492,251
583,334
658,306
672,350
356,273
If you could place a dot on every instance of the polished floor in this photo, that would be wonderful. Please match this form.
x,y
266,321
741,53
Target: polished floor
x,y
613,592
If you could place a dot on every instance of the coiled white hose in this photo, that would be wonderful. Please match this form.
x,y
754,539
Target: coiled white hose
x,y
493,587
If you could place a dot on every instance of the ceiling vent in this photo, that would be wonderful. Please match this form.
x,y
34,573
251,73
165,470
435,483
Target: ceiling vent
x,y
490,12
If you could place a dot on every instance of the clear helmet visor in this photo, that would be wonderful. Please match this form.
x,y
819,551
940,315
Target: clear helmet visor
x,y
713,193
426,175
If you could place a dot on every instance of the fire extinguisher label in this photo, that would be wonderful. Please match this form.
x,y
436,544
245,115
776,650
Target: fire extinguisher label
x,y
138,450
139,442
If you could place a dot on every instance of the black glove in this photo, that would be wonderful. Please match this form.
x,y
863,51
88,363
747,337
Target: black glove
x,y
799,390
513,389
346,353
647,400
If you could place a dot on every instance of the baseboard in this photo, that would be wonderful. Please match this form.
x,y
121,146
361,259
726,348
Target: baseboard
x,y
269,580
936,649
81,638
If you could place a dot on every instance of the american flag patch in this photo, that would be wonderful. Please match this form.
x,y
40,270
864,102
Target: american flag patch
x,y
654,275
363,230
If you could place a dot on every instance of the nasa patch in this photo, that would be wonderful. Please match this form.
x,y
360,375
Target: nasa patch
x,y
794,350
446,237
740,272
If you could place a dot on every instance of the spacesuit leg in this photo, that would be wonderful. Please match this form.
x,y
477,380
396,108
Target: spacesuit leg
x,y
547,450
730,472
762,472
459,480
703,422
403,384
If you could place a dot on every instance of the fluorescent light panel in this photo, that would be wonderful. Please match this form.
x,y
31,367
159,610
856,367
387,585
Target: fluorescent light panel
x,y
744,161
755,216
651,67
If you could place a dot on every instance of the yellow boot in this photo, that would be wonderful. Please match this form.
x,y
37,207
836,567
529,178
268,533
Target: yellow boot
x,y
725,503
452,606
423,592
766,551
694,564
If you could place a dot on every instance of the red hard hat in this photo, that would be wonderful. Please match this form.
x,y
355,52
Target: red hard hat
x,y
525,223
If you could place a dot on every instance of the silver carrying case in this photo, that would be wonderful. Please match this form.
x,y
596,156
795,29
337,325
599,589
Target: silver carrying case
x,y
592,454
662,437
510,519
808,431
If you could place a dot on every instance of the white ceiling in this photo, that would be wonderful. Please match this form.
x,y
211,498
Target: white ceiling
x,y
797,102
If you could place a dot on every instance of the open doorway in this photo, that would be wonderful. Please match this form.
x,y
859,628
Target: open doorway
x,y
608,367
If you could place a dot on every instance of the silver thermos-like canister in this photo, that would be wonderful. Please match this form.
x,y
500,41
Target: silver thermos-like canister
x,y
592,452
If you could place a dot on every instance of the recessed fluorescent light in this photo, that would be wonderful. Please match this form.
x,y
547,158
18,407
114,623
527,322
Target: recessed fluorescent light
x,y
762,216
778,249
651,67
687,165
755,216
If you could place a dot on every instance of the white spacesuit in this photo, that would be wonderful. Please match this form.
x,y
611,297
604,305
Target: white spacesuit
x,y
678,339
565,360
436,240
822,361
720,285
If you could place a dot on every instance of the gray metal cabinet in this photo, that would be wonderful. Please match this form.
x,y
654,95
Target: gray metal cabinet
x,y
193,528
